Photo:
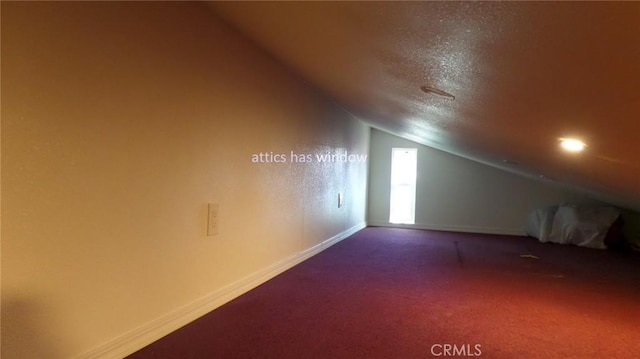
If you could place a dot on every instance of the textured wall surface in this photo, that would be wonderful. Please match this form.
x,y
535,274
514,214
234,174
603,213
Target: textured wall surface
x,y
120,122
454,193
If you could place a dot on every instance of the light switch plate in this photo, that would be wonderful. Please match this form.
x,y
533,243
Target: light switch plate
x,y
213,219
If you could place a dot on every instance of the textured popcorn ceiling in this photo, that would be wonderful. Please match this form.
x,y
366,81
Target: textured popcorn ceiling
x,y
523,75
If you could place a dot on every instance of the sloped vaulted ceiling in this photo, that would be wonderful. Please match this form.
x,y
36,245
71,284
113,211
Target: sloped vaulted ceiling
x,y
523,74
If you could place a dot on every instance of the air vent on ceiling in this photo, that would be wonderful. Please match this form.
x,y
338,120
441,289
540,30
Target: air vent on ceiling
x,y
435,91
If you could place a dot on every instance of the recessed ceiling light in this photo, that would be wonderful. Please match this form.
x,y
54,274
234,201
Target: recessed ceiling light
x,y
572,145
433,90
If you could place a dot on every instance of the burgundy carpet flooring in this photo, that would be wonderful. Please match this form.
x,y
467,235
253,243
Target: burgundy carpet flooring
x,y
401,293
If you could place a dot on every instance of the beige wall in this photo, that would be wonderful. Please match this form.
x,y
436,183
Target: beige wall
x,y
458,194
120,122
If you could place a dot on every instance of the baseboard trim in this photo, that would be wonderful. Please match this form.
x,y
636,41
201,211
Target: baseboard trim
x,y
454,228
146,334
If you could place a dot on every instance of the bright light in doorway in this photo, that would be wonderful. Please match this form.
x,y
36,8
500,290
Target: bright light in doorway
x,y
402,206
572,145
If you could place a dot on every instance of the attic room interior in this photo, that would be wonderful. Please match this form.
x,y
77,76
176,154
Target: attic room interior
x,y
320,179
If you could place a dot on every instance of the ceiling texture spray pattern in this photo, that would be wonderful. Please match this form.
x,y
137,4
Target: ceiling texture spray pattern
x,y
523,74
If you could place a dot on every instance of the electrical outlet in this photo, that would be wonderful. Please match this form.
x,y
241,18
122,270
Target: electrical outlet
x,y
213,218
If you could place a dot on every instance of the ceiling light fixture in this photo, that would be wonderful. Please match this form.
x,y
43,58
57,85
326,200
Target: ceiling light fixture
x,y
433,90
572,145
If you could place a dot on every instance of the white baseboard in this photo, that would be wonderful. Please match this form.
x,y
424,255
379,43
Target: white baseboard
x,y
454,228
146,334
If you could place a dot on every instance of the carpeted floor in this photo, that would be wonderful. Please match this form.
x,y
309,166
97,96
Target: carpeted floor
x,y
401,293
